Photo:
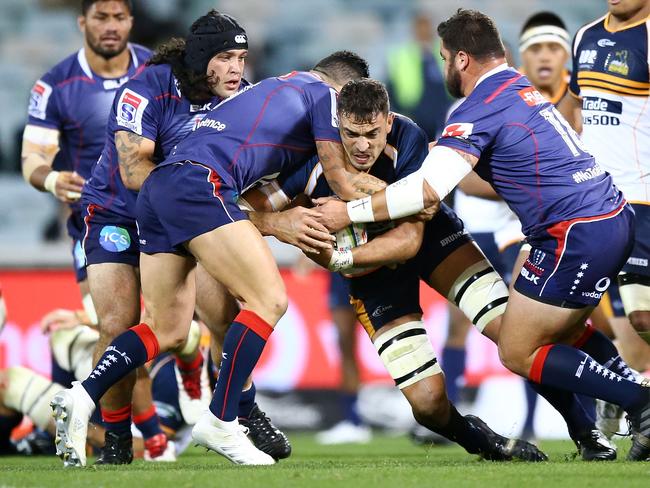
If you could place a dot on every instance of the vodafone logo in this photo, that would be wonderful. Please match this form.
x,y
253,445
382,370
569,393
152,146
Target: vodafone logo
x,y
461,129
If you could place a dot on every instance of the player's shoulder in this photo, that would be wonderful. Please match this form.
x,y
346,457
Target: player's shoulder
x,y
140,52
71,67
154,80
592,28
405,132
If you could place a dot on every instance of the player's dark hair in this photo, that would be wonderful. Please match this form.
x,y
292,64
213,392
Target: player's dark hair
x,y
542,18
363,100
193,85
473,32
343,66
86,4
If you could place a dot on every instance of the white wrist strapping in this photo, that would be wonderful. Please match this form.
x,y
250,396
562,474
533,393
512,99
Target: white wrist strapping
x,y
340,260
405,196
50,182
443,169
360,210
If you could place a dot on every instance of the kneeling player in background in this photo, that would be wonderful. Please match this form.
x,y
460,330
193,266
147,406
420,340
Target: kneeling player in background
x,y
25,392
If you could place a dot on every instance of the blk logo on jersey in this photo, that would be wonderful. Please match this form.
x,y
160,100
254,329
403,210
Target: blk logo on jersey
x,y
38,99
130,108
114,239
461,129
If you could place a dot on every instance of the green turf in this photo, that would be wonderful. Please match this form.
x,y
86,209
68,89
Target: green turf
x,y
390,462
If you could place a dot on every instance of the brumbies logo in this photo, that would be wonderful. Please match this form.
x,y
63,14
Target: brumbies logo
x,y
130,108
462,129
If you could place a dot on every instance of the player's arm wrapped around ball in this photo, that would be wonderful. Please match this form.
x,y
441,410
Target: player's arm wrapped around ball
x,y
361,248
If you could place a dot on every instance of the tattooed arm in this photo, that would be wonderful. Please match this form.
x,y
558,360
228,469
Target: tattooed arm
x,y
342,178
135,155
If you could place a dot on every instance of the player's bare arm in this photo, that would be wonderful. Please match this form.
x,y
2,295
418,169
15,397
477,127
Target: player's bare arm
x,y
344,180
274,215
423,190
135,155
476,186
40,146
571,109
394,246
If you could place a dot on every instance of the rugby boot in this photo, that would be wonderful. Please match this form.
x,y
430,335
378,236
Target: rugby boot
x,y
228,439
266,436
159,449
640,427
118,449
71,410
502,448
593,445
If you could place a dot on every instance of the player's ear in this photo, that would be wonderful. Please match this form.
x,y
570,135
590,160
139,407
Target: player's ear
x,y
461,60
389,122
81,22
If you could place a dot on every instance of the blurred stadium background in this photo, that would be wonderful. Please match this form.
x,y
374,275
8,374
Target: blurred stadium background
x,y
284,35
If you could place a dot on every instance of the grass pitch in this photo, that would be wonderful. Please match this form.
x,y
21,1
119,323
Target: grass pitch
x,y
386,462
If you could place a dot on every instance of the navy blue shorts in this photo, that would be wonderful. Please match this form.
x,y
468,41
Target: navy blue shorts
x,y
181,201
339,292
639,259
577,260
390,293
443,234
76,229
109,237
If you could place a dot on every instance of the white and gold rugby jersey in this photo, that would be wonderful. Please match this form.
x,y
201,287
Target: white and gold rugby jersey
x,y
611,76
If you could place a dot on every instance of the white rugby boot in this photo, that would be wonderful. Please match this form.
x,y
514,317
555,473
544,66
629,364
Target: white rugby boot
x,y
71,410
228,439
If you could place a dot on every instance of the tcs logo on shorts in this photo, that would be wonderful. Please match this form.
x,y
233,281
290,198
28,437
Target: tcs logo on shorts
x,y
114,239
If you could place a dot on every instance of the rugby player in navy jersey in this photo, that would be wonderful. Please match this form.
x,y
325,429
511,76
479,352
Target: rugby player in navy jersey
x,y
391,147
515,139
68,110
187,212
151,114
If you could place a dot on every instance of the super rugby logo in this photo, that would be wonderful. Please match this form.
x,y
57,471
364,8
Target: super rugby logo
x,y
461,129
38,99
130,108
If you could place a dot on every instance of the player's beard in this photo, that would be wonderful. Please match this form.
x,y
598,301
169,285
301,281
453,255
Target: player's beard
x,y
452,80
96,46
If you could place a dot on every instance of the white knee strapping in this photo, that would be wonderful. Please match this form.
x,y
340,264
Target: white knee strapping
x,y
30,393
407,353
73,349
634,293
89,308
192,342
480,293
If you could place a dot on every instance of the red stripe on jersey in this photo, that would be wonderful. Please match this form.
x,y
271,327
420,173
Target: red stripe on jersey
x,y
503,86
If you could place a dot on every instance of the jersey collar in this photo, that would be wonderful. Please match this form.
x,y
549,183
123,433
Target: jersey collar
x,y
493,71
85,67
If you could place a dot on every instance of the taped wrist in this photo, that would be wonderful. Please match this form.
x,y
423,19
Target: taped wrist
x,y
341,260
360,210
407,353
50,182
